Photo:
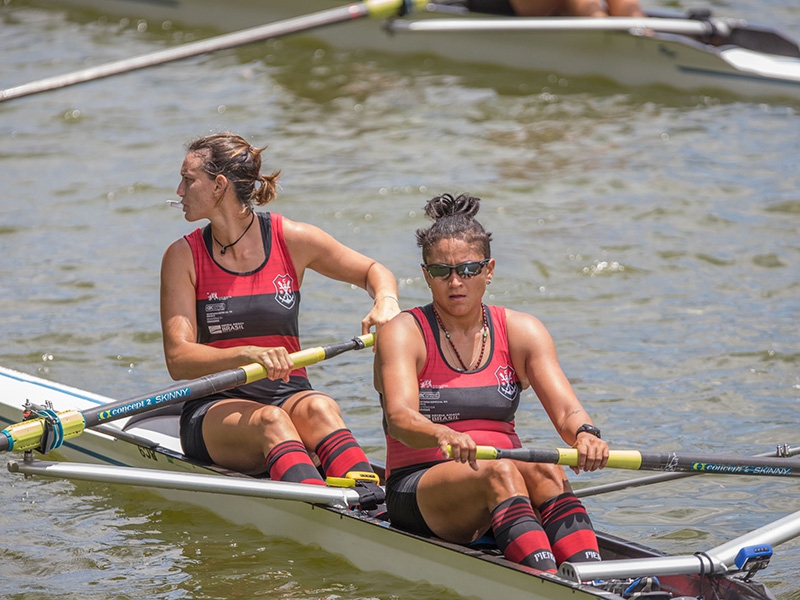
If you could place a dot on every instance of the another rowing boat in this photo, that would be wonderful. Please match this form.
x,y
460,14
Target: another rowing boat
x,y
143,449
697,52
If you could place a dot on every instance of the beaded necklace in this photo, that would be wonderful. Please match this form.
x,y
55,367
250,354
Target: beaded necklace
x,y
484,329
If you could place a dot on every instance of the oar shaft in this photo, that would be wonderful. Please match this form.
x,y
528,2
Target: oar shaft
x,y
218,382
27,435
667,461
783,450
369,8
180,392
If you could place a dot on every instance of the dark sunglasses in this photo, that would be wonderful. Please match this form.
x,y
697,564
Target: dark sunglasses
x,y
463,270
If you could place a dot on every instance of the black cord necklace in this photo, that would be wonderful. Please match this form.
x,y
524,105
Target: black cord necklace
x,y
484,331
223,248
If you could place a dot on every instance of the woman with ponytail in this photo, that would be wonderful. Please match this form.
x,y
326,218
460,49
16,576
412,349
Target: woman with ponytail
x,y
450,375
230,296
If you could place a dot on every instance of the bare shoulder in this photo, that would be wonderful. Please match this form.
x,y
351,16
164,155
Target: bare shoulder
x,y
526,333
522,322
177,253
401,335
400,326
300,232
308,243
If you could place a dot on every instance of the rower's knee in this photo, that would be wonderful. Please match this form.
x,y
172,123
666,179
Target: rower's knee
x,y
553,474
274,423
504,480
314,407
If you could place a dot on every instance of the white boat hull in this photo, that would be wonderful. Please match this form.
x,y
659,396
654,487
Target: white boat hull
x,y
630,57
370,544
358,539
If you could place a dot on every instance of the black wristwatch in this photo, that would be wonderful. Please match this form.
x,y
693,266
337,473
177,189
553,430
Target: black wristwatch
x,y
588,429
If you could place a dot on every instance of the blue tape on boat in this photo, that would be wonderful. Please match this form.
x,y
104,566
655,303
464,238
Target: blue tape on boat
x,y
58,429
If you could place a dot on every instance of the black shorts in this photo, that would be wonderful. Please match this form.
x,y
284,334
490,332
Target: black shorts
x,y
495,7
195,411
401,501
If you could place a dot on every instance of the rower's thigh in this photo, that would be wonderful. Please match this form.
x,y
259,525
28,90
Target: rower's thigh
x,y
457,501
239,434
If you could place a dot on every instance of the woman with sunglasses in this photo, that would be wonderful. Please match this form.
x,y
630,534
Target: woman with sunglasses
x,y
450,376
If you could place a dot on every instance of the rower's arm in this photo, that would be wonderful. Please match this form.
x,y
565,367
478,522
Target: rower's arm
x,y
399,359
533,350
186,358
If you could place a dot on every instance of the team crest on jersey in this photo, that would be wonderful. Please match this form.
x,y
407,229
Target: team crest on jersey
x,y
283,291
505,381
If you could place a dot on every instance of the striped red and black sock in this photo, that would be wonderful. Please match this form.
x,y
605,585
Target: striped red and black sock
x,y
569,529
520,536
289,461
340,453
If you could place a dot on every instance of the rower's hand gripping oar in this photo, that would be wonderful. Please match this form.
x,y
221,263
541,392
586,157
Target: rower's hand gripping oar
x,y
50,429
368,8
723,464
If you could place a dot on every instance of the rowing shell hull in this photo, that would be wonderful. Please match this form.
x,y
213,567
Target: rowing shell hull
x,y
640,58
370,544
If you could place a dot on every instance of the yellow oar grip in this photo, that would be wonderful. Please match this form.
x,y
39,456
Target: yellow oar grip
x,y
254,372
481,452
309,356
303,358
486,453
624,459
368,339
617,459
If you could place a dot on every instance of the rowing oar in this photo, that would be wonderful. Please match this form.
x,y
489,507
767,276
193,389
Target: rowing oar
x,y
732,31
662,461
340,14
562,24
48,431
781,451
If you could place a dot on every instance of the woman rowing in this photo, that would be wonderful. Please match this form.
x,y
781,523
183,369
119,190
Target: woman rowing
x,y
450,376
230,296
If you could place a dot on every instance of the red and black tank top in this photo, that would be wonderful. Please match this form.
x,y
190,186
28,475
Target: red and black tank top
x,y
258,308
481,402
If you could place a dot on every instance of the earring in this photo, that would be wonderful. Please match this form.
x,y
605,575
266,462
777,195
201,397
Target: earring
x,y
488,282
